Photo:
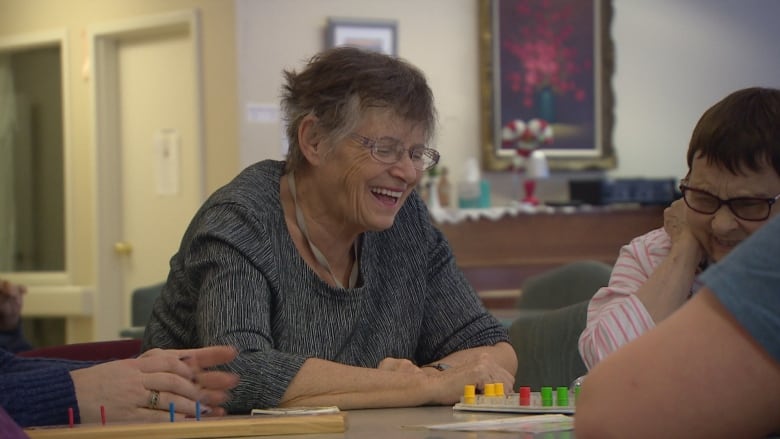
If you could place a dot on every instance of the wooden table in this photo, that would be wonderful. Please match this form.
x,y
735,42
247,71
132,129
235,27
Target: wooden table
x,y
401,422
407,423
500,254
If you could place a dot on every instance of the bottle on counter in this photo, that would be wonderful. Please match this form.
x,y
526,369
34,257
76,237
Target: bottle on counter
x,y
473,190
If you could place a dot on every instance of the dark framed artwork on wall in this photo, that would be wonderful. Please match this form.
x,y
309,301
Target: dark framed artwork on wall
x,y
550,60
377,35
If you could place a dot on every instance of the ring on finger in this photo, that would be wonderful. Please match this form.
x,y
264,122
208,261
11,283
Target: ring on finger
x,y
154,399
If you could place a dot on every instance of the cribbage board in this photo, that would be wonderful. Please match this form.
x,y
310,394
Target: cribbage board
x,y
228,426
547,401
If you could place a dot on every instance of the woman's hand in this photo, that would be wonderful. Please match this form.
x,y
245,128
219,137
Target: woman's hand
x,y
446,386
481,370
677,227
127,388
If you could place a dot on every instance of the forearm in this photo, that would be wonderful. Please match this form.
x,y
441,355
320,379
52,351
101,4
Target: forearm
x,y
669,286
622,319
676,357
322,382
501,353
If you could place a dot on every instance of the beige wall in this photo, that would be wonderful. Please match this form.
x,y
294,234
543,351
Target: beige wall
x,y
438,36
219,74
673,60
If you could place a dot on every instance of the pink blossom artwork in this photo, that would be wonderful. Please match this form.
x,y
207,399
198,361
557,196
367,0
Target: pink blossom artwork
x,y
546,66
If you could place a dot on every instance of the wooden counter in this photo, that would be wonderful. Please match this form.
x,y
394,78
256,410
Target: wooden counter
x,y
500,254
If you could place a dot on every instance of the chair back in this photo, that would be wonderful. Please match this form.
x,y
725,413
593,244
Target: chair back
x,y
564,285
546,346
90,351
143,302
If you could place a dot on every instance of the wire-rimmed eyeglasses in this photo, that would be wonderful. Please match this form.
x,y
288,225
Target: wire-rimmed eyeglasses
x,y
390,151
745,208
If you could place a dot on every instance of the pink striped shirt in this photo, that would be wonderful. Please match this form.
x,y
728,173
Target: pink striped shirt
x,y
615,315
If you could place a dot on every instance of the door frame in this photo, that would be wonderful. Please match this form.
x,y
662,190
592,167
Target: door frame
x,y
58,38
111,302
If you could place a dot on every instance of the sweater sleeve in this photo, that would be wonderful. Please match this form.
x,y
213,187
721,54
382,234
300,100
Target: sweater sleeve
x,y
38,395
615,315
229,271
455,316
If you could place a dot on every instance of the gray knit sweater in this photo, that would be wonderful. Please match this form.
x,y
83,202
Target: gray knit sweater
x,y
238,279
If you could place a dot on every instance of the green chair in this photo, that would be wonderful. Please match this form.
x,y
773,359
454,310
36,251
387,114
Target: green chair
x,y
564,285
546,342
142,303
546,347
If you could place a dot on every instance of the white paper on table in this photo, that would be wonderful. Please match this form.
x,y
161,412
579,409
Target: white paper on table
x,y
524,424
296,410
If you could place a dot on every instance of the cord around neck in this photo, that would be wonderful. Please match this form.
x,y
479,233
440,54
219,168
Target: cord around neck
x,y
353,275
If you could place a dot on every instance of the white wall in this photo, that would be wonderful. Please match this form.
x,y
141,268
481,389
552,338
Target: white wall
x,y
438,36
674,58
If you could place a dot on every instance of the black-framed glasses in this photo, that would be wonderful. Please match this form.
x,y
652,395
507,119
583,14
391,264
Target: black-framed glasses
x,y
390,151
745,208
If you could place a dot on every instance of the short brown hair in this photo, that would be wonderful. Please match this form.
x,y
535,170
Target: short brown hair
x,y
741,131
337,85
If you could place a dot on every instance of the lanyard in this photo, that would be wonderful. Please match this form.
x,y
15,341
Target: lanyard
x,y
353,276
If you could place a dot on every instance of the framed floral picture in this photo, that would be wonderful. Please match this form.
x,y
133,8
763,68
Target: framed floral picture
x,y
377,35
550,60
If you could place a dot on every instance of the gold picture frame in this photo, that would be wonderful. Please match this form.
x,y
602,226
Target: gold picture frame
x,y
592,150
371,34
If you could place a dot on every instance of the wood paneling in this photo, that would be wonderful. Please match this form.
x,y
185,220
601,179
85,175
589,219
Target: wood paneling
x,y
500,254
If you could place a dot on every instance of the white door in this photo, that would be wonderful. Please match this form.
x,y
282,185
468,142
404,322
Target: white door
x,y
149,156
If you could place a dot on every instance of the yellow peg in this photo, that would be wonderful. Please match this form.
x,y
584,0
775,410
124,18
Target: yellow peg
x,y
469,394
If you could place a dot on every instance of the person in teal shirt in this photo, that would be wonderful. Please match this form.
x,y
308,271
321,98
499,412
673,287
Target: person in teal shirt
x,y
711,370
